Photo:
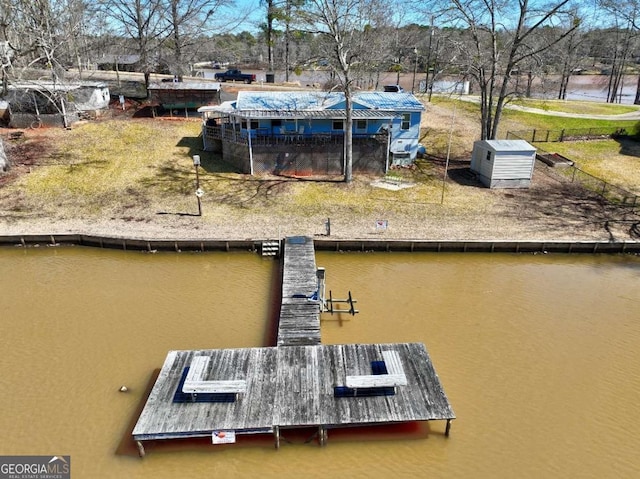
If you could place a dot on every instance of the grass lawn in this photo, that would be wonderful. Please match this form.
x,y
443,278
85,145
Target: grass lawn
x,y
520,120
529,121
616,161
138,168
582,107
465,116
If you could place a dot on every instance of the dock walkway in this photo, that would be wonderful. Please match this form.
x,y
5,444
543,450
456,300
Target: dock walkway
x,y
299,323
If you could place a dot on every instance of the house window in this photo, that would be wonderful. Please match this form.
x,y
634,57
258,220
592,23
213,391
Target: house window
x,y
488,157
361,125
276,122
290,125
338,125
406,121
254,124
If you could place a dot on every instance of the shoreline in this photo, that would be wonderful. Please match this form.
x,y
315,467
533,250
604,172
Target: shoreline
x,y
325,244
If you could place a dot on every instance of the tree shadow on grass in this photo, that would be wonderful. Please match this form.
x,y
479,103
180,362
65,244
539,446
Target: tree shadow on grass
x,y
629,146
554,204
209,161
237,190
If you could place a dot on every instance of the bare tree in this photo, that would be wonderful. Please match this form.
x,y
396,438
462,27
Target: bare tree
x,y
187,19
6,47
38,34
496,49
350,27
142,21
625,21
569,57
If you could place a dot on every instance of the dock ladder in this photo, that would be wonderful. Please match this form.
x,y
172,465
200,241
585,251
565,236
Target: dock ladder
x,y
271,248
329,305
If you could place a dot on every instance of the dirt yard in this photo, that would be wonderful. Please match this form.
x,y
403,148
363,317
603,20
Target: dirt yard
x,y
455,207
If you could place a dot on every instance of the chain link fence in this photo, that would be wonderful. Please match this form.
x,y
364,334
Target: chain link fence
x,y
612,193
569,171
567,134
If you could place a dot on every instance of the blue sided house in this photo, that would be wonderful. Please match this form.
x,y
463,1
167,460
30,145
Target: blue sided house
x,y
302,133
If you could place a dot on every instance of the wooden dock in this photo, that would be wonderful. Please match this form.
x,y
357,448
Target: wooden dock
x,y
298,383
292,386
299,323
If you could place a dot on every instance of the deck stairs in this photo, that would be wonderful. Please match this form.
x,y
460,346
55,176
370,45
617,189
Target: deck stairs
x,y
271,248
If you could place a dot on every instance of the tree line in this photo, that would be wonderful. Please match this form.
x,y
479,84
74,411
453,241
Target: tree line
x,y
503,47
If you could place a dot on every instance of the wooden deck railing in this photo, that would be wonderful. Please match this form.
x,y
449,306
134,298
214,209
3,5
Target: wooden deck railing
x,y
266,138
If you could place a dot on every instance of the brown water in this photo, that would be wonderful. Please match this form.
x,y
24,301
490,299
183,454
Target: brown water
x,y
539,355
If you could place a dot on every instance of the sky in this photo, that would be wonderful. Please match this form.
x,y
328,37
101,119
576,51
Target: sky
x,y
254,12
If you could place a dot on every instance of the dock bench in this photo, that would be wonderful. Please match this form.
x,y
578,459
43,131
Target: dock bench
x,y
194,383
387,375
376,381
393,363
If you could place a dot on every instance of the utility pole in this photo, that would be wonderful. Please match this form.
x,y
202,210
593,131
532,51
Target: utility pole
x,y
415,70
426,80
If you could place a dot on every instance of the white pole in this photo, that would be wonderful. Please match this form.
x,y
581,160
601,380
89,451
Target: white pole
x,y
250,148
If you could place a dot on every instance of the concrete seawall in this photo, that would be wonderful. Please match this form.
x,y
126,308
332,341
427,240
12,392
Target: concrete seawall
x,y
325,244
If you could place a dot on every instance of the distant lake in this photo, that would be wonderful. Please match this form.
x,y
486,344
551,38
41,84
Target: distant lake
x,y
581,87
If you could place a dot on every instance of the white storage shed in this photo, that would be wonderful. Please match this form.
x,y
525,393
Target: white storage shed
x,y
503,163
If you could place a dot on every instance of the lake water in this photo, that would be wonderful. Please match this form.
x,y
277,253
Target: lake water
x,y
538,354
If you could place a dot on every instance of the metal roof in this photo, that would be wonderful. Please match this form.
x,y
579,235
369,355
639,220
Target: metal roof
x,y
287,100
307,115
191,85
120,59
388,100
508,145
318,105
47,85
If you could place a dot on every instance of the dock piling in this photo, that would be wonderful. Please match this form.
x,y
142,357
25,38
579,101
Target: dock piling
x,y
322,436
141,451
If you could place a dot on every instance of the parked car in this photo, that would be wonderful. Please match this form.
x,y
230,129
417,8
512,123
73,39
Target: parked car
x,y
393,88
235,75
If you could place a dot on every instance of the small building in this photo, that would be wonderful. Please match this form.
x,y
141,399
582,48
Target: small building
x,y
55,103
303,132
503,163
4,112
184,95
119,63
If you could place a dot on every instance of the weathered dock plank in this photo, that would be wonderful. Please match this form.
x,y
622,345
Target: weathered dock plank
x,y
299,322
161,418
290,387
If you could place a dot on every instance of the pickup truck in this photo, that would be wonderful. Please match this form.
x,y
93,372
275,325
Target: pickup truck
x,y
235,75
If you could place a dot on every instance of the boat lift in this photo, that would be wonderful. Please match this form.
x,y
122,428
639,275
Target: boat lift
x,y
327,304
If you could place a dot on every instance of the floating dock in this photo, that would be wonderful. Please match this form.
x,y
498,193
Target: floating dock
x,y
223,393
